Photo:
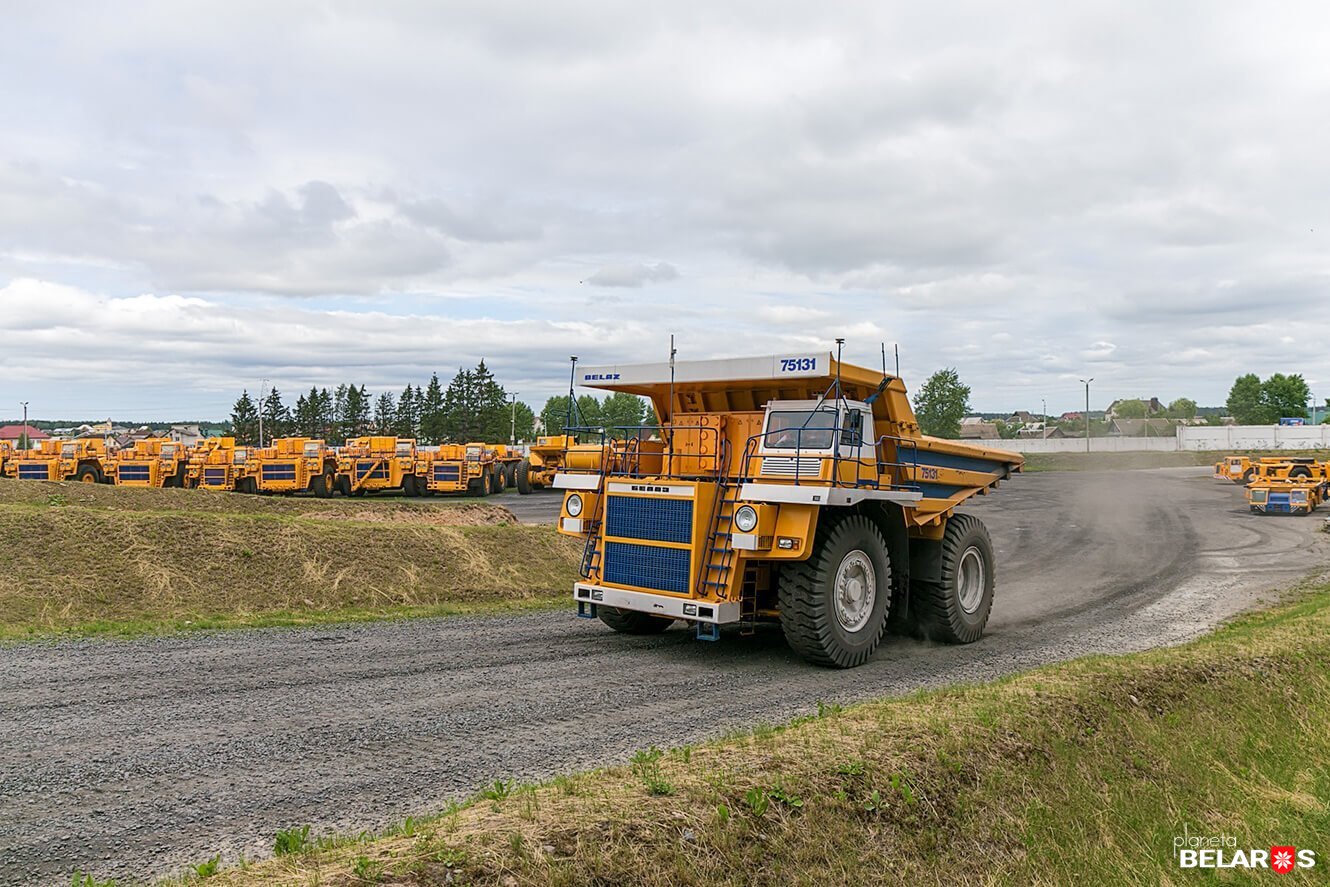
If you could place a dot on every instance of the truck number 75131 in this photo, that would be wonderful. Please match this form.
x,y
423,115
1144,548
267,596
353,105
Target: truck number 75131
x,y
797,364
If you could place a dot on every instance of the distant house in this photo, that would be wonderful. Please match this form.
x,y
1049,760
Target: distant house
x,y
1023,417
976,428
1142,428
1073,417
14,432
1037,431
1152,406
186,434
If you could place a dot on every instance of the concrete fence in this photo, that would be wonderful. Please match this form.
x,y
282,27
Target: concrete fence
x,y
1199,438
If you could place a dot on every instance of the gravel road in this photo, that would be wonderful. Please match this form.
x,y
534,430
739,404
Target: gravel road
x,y
132,759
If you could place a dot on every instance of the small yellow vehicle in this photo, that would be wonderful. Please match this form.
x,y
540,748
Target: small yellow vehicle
x,y
294,465
376,465
6,453
1287,496
1291,468
794,489
154,462
86,460
218,464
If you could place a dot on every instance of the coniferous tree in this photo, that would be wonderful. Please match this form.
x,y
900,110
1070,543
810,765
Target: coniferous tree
x,y
385,409
245,420
431,412
276,417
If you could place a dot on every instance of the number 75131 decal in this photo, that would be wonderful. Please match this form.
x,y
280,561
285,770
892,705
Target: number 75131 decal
x,y
798,364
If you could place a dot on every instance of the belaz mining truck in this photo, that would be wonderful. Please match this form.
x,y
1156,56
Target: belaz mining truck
x,y
85,460
153,462
792,488
294,465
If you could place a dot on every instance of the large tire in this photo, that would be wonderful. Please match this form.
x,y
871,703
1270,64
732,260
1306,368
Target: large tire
x,y
511,474
631,621
321,485
838,631
88,474
500,475
343,485
1300,471
955,609
523,478
1247,477
409,487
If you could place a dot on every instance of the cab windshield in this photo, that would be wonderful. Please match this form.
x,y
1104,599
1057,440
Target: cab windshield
x,y
800,429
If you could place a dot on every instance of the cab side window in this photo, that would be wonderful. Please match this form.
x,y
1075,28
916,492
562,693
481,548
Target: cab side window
x,y
852,429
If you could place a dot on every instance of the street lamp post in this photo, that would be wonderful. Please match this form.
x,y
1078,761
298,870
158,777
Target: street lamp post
x,y
23,435
514,432
1044,401
1086,383
261,400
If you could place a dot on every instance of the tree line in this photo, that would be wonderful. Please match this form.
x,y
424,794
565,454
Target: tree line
x,y
1252,401
473,407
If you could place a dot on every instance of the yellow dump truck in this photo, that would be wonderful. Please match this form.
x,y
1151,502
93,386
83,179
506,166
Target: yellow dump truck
x,y
218,464
155,462
86,460
1290,468
550,455
294,465
791,488
1299,495
377,464
6,453
441,470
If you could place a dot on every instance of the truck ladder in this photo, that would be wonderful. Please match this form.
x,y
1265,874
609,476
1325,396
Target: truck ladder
x,y
362,478
719,557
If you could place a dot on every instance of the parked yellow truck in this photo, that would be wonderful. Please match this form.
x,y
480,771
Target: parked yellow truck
x,y
377,464
218,464
791,488
1300,495
442,470
550,455
294,465
86,460
154,462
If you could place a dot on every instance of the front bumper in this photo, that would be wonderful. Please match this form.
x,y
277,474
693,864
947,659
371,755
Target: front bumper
x,y
717,612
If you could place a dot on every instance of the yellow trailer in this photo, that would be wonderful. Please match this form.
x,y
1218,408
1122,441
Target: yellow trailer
x,y
294,465
377,464
86,460
794,489
155,462
218,464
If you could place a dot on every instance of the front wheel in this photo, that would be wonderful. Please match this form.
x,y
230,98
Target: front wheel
x,y
321,486
523,477
955,608
631,621
834,606
88,475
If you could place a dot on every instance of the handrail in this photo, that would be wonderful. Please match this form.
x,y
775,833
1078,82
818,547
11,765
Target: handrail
x,y
884,468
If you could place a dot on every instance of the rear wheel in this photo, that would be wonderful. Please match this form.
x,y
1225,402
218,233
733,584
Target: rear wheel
x,y
955,609
631,621
1300,471
834,606
522,477
1247,477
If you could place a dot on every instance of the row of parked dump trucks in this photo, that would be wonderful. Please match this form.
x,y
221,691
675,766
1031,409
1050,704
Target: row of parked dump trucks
x,y
294,465
1278,484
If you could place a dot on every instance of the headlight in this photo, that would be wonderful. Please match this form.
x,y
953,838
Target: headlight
x,y
745,519
1258,495
1299,496
574,505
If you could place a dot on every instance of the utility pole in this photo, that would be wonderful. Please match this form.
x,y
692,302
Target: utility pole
x,y
261,403
1086,383
1044,401
23,435
514,418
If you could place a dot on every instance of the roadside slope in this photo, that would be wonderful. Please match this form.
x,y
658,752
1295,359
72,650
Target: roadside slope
x,y
1077,773
93,560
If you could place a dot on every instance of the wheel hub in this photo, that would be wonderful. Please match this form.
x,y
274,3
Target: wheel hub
x,y
855,591
970,580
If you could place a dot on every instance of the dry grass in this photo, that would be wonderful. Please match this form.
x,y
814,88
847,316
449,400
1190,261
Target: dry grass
x,y
1079,773
94,559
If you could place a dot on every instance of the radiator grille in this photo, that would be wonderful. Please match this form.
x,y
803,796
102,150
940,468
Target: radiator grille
x,y
34,472
447,472
656,520
375,470
214,477
134,473
646,566
280,471
791,466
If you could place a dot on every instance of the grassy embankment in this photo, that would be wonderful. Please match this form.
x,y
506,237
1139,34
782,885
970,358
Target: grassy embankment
x,y
1078,773
87,560
1119,461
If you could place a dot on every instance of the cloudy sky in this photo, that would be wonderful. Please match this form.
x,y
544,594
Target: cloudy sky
x,y
194,197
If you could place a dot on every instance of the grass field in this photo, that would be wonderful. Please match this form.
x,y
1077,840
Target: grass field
x,y
1081,773
1122,461
92,559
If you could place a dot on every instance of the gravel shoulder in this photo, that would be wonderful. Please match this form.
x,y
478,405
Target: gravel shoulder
x,y
135,758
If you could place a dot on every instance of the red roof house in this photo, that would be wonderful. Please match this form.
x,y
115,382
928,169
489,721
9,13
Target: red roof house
x,y
14,432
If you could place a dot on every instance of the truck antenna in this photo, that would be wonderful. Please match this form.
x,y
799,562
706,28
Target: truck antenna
x,y
897,348
572,382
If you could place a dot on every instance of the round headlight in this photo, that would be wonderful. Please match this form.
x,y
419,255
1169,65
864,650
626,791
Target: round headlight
x,y
574,505
745,519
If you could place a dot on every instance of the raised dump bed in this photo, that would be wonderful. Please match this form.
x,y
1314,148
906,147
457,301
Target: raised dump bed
x,y
791,488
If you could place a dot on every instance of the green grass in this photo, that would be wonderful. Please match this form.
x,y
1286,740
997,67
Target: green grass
x,y
1077,773
1119,461
94,561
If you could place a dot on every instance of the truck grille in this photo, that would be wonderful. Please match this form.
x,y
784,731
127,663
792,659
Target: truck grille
x,y
375,470
791,466
655,520
214,477
280,471
646,566
135,473
447,472
34,472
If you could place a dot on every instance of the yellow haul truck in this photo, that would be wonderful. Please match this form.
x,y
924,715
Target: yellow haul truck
x,y
1299,495
377,464
6,453
441,470
792,488
155,462
86,460
218,464
1290,468
550,455
294,465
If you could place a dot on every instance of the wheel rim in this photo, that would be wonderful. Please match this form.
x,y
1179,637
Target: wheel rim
x,y
88,479
970,580
855,591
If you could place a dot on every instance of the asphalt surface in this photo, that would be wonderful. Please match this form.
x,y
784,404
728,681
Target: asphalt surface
x,y
131,759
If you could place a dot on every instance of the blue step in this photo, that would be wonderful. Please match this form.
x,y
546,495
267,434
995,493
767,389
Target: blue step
x,y
708,631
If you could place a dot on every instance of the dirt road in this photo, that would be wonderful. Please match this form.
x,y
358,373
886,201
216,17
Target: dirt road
x,y
135,758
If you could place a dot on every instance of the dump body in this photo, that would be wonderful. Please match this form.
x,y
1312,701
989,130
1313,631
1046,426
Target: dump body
x,y
294,465
751,456
377,464
218,464
86,460
155,462
1287,496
